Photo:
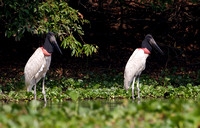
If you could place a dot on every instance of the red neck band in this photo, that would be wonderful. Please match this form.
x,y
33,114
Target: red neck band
x,y
146,51
45,52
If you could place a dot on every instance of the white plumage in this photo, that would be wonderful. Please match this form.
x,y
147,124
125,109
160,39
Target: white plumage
x,y
39,63
36,68
134,67
137,63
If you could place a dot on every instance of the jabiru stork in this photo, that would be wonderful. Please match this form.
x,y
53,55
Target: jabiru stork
x,y
137,63
38,64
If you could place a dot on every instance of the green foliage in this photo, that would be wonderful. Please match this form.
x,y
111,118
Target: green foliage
x,y
41,17
18,17
107,86
74,95
150,113
163,103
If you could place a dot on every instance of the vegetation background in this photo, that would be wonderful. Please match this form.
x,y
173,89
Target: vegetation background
x,y
97,38
99,35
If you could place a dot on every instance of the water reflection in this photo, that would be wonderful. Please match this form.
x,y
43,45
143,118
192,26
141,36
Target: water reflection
x,y
98,103
110,103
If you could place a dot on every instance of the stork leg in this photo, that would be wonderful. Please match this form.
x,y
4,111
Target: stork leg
x,y
138,87
35,91
43,91
133,87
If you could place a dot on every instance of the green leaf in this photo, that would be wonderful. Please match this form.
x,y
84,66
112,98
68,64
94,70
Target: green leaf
x,y
74,95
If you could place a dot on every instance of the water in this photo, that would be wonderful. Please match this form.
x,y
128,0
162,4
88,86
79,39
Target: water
x,y
110,103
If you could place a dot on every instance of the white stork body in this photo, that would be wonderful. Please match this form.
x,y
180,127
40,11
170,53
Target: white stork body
x,y
35,69
134,67
39,63
137,63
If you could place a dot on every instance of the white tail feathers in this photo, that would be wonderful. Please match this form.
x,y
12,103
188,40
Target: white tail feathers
x,y
27,84
126,84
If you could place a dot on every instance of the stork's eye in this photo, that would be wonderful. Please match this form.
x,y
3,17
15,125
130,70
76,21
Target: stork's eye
x,y
52,38
151,41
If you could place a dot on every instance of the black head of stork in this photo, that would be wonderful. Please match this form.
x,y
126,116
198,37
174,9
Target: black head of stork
x,y
148,42
51,43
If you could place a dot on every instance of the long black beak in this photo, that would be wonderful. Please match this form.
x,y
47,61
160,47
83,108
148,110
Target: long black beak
x,y
54,42
58,48
154,44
